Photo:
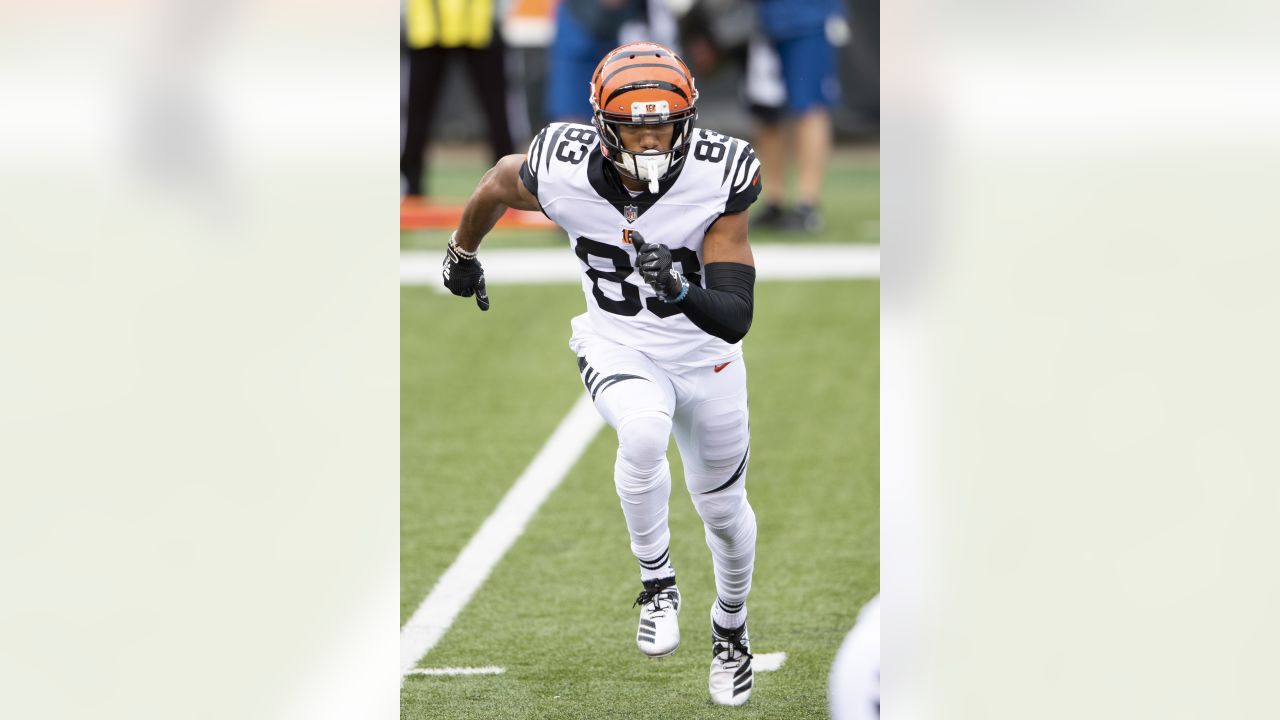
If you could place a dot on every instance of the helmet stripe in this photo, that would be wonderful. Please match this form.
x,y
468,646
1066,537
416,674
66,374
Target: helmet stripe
x,y
647,52
658,84
665,66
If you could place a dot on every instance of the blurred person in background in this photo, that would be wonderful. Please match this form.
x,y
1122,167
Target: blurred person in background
x,y
586,30
712,30
853,688
436,32
790,87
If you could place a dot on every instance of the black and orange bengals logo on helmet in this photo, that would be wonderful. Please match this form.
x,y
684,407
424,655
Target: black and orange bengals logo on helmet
x,y
642,83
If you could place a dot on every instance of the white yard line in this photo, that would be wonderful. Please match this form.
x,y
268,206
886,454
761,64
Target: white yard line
x,y
546,266
762,662
468,572
457,671
768,662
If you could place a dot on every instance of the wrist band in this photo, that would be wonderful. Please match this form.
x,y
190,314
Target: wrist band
x,y
684,290
453,245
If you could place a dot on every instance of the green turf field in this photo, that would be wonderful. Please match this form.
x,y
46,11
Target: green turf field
x,y
850,206
481,392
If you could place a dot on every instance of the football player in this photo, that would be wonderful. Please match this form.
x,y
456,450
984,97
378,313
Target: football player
x,y
654,208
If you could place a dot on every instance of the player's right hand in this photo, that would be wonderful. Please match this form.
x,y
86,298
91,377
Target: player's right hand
x,y
653,260
463,275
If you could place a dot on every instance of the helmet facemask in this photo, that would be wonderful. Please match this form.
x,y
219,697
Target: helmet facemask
x,y
649,166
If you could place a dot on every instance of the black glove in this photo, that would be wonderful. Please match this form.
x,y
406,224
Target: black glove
x,y
463,274
654,262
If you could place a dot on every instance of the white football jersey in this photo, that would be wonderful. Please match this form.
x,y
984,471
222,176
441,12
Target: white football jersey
x,y
581,192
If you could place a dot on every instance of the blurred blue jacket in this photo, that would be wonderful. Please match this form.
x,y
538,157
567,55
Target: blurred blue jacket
x,y
783,19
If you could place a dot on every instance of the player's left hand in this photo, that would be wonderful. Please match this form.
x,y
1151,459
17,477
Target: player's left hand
x,y
654,262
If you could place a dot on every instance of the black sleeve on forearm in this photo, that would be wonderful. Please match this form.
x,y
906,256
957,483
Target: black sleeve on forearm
x,y
723,308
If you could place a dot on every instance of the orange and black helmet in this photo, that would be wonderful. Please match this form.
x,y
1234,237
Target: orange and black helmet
x,y
642,83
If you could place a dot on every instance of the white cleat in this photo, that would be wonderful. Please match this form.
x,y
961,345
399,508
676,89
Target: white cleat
x,y
731,675
659,631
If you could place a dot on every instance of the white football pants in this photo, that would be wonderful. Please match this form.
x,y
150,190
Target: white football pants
x,y
707,411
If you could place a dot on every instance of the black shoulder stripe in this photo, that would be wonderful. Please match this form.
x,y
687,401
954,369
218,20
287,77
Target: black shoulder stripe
x,y
733,149
536,149
746,154
529,178
555,138
743,179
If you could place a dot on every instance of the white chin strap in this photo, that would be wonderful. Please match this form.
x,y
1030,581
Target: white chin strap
x,y
652,166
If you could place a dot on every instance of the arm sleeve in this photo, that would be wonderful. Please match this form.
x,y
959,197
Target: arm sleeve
x,y
746,185
724,307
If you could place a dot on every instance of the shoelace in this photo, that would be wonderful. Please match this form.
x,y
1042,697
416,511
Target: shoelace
x,y
727,645
655,598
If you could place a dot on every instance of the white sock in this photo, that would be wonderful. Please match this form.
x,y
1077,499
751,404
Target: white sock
x,y
657,568
729,615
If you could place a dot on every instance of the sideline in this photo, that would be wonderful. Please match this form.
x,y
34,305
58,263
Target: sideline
x,y
557,265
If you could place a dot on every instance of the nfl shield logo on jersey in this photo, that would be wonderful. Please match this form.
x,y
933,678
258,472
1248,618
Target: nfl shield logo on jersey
x,y
630,212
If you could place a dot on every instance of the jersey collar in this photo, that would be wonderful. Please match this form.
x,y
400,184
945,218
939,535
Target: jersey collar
x,y
607,183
